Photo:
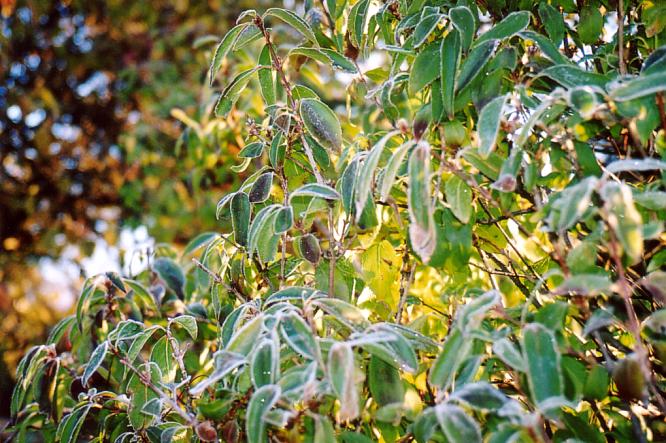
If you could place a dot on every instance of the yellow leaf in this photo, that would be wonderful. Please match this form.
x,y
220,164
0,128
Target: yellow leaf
x,y
381,268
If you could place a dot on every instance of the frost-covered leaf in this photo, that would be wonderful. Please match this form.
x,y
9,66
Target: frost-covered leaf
x,y
422,222
322,123
341,370
489,123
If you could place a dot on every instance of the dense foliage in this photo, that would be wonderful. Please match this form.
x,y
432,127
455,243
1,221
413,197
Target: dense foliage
x,y
452,231
89,146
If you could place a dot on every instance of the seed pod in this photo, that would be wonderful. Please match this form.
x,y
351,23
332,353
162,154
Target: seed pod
x,y
206,431
629,378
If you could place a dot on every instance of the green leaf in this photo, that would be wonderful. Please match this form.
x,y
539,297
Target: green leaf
x,y
571,204
142,394
262,401
640,87
231,93
252,150
308,248
346,313
357,20
571,76
624,219
547,47
171,274
240,217
244,340
489,123
265,363
553,22
463,20
197,242
162,356
511,25
459,197
422,223
316,190
293,293
542,361
457,426
61,328
95,361
363,183
339,61
223,49
450,59
322,123
456,349
313,53
384,382
267,77
341,370
507,351
425,68
474,63
188,323
261,189
391,170
590,24
70,426
299,336
481,396
262,236
394,349
294,21
631,164
224,363
324,432
425,27
284,219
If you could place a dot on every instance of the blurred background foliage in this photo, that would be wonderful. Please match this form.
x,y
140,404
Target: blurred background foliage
x,y
93,155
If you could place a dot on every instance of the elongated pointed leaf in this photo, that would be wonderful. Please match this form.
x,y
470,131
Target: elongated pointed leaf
x,y
265,363
245,338
422,222
463,20
474,63
299,336
363,186
240,217
222,49
316,190
489,123
224,363
457,425
260,403
459,197
511,25
542,361
294,21
425,68
341,370
509,354
425,27
188,323
450,59
456,349
267,78
231,93
171,274
96,360
391,169
70,426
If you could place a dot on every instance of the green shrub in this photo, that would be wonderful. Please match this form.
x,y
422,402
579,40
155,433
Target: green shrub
x,y
474,253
